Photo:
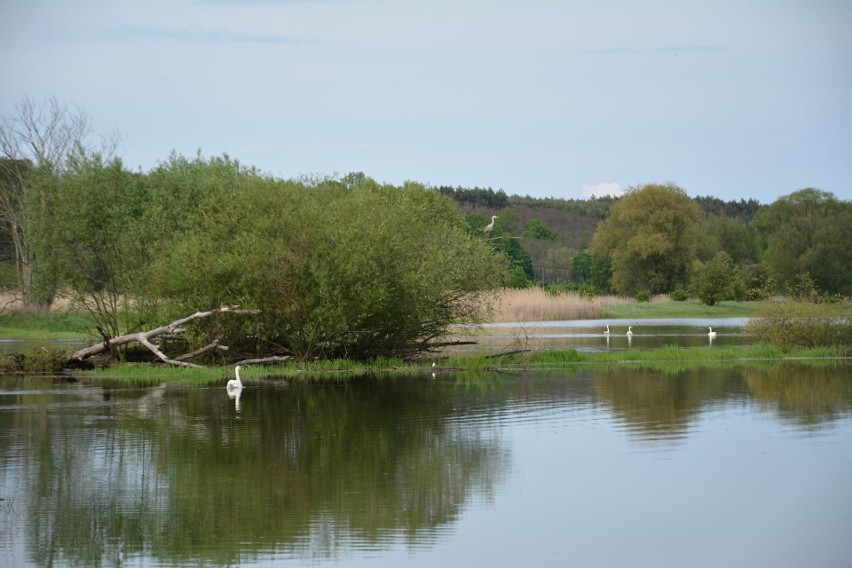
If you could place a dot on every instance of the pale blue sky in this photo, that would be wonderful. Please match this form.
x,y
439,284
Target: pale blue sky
x,y
731,98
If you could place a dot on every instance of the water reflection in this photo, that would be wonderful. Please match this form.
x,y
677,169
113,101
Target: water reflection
x,y
234,394
313,472
591,335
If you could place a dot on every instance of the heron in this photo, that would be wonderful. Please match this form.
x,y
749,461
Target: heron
x,y
712,333
629,330
490,225
235,383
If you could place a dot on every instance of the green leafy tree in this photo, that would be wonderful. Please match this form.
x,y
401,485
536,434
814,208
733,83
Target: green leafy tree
x,y
519,261
650,239
810,231
517,256
358,272
581,267
718,280
93,243
537,229
732,235
601,274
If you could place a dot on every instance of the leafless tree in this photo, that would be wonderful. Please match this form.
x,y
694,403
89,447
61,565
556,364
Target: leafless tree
x,y
38,135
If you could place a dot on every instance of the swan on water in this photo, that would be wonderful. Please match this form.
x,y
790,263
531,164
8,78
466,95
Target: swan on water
x,y
629,330
607,330
712,333
235,383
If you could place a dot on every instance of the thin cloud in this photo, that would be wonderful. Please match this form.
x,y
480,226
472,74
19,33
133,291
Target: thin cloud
x,y
215,36
612,189
182,35
663,49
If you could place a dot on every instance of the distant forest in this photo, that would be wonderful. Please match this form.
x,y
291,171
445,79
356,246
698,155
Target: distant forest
x,y
572,221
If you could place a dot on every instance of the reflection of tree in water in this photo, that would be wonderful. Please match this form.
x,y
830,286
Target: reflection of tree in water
x,y
660,403
657,405
807,395
305,470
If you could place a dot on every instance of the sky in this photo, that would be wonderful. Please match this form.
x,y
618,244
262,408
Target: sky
x,y
736,99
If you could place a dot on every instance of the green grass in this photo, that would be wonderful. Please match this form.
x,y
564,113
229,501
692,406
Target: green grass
x,y
674,353
142,373
688,309
668,354
46,326
665,357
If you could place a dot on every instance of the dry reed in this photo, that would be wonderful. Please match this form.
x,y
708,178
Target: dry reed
x,y
535,304
11,303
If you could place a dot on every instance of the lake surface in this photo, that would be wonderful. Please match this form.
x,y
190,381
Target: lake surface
x,y
588,335
596,466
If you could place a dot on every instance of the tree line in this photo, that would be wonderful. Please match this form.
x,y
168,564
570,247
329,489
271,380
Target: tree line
x,y
349,267
656,239
335,267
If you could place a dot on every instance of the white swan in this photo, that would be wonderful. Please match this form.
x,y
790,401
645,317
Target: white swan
x,y
712,333
629,330
607,330
235,383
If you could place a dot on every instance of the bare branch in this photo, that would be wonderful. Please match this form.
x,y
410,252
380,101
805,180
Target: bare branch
x,y
214,345
144,338
263,360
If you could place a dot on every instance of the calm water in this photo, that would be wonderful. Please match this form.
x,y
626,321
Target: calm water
x,y
739,466
588,335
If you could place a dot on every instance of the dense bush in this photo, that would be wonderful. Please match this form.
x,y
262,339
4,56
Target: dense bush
x,y
356,271
790,324
718,280
679,295
643,296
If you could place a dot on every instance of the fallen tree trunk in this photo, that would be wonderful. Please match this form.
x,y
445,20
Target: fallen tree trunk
x,y
144,338
264,360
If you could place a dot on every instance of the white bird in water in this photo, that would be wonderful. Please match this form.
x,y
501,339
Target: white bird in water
x,y
629,330
235,383
607,330
712,333
490,225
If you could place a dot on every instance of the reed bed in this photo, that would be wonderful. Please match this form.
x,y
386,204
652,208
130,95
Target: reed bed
x,y
536,304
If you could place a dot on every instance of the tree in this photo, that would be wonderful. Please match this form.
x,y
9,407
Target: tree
x,y
536,229
810,231
650,239
93,243
732,235
601,274
718,280
36,144
358,272
581,267
519,260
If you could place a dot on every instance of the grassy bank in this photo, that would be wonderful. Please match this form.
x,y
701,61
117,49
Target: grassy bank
x,y
688,309
50,325
541,360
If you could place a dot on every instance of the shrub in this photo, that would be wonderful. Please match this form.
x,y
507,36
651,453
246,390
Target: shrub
x,y
759,282
718,280
643,296
790,324
556,289
588,290
356,271
679,295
